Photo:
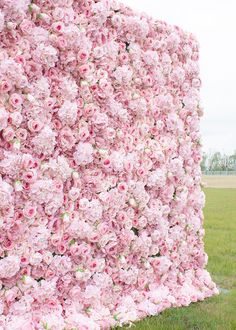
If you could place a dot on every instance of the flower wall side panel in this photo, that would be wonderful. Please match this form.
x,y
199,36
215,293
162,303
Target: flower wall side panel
x,y
100,198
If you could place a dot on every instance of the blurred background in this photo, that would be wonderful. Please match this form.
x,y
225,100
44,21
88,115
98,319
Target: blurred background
x,y
213,23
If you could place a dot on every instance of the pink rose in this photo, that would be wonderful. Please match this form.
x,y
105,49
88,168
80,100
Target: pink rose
x,y
29,211
21,134
26,26
5,86
74,193
8,134
58,27
15,100
35,125
84,70
30,176
82,56
67,139
116,20
161,264
122,187
83,133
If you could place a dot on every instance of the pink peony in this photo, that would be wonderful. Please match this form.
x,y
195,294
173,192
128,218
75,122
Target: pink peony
x,y
3,118
1,21
84,153
9,266
5,194
45,141
68,113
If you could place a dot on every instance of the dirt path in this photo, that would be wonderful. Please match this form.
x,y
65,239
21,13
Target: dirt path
x,y
219,181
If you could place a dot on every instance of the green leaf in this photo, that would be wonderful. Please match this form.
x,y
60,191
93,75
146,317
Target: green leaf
x,y
88,309
23,278
127,46
156,255
73,241
45,326
80,270
135,230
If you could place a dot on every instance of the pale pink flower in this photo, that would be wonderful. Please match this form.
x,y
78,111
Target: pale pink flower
x,y
46,55
151,58
45,141
26,26
68,113
83,203
74,193
156,178
69,89
9,266
58,27
8,133
35,125
16,322
5,193
116,20
15,100
2,21
3,118
100,119
16,118
38,237
137,27
29,211
161,264
123,75
30,176
84,153
67,139
5,86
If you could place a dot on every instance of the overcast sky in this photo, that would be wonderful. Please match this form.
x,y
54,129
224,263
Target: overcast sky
x,y
213,23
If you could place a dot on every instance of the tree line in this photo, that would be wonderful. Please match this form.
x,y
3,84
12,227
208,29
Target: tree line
x,y
218,161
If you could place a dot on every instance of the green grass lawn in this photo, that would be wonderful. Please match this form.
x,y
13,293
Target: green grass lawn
x,y
217,312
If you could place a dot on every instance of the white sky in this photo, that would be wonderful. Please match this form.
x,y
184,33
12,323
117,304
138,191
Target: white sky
x,y
213,22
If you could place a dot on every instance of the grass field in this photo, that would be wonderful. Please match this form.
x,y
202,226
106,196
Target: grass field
x,y
218,312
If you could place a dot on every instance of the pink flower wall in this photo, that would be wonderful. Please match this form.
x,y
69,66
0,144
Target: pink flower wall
x,y
101,220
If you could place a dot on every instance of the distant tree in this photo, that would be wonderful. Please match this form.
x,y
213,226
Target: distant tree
x,y
218,162
232,161
204,161
215,162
